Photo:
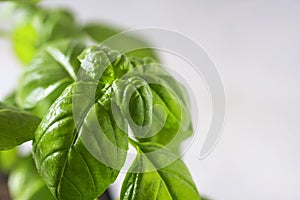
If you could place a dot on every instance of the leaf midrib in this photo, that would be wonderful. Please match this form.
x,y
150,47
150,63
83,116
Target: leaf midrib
x,y
75,139
158,173
65,65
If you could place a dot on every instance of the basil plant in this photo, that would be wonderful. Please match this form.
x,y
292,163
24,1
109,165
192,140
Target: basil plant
x,y
82,104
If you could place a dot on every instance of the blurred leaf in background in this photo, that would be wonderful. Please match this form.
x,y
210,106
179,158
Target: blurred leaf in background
x,y
48,74
26,184
35,26
8,159
10,99
100,32
22,1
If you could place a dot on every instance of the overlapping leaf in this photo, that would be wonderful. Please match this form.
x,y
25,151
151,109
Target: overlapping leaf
x,y
167,120
71,171
134,97
150,179
49,73
36,26
81,143
85,131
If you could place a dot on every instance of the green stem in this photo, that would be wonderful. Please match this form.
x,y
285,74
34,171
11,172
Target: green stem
x,y
134,144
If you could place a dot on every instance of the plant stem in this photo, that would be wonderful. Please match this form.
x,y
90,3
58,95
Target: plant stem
x,y
134,144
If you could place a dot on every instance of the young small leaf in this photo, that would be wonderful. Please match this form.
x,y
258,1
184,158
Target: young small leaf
x,y
103,65
134,96
168,117
16,126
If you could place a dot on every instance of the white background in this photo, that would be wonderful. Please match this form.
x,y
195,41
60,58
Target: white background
x,y
256,48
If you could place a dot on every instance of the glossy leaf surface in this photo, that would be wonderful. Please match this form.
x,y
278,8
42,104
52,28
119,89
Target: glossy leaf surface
x,y
49,73
71,171
134,97
159,106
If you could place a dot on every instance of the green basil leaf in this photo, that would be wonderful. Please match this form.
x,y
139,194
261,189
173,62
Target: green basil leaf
x,y
49,73
26,184
10,100
36,26
134,96
102,32
170,114
157,182
168,118
102,64
65,151
16,126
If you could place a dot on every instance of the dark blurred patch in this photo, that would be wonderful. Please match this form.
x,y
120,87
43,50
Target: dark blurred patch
x,y
4,194
105,196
